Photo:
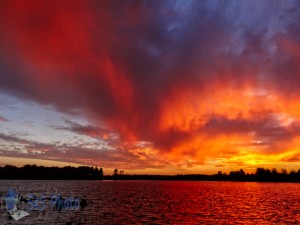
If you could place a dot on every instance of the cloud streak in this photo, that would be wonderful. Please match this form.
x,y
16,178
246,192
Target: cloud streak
x,y
2,119
80,154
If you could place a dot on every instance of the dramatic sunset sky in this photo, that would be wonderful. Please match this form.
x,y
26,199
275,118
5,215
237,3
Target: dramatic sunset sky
x,y
162,87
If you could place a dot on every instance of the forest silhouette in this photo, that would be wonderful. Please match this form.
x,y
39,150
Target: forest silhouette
x,y
261,175
34,172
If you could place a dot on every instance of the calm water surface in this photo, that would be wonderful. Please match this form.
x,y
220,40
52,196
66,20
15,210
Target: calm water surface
x,y
164,202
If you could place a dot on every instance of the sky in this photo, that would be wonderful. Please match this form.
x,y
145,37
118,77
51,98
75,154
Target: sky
x,y
160,87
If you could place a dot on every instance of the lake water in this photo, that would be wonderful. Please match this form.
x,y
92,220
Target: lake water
x,y
163,202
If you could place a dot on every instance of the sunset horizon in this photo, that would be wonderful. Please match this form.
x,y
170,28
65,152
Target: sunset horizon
x,y
150,87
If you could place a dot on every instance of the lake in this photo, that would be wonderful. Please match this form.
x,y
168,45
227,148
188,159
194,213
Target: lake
x,y
163,202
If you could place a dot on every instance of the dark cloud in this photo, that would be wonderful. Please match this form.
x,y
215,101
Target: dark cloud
x,y
97,132
13,138
293,158
125,63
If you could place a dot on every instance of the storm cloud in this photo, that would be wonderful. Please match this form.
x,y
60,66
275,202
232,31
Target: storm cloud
x,y
175,74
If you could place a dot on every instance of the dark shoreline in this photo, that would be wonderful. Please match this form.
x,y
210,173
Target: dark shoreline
x,y
33,172
218,178
161,178
233,181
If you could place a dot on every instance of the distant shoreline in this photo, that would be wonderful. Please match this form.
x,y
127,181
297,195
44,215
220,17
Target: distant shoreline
x,y
33,172
212,178
226,178
233,181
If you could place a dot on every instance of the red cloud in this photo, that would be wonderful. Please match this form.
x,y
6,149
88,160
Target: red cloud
x,y
149,72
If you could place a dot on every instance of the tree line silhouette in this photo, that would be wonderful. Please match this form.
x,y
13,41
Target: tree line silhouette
x,y
261,175
33,172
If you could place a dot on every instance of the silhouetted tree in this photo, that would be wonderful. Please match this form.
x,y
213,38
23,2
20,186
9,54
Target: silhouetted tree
x,y
293,174
115,173
101,173
274,172
242,173
267,172
284,171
